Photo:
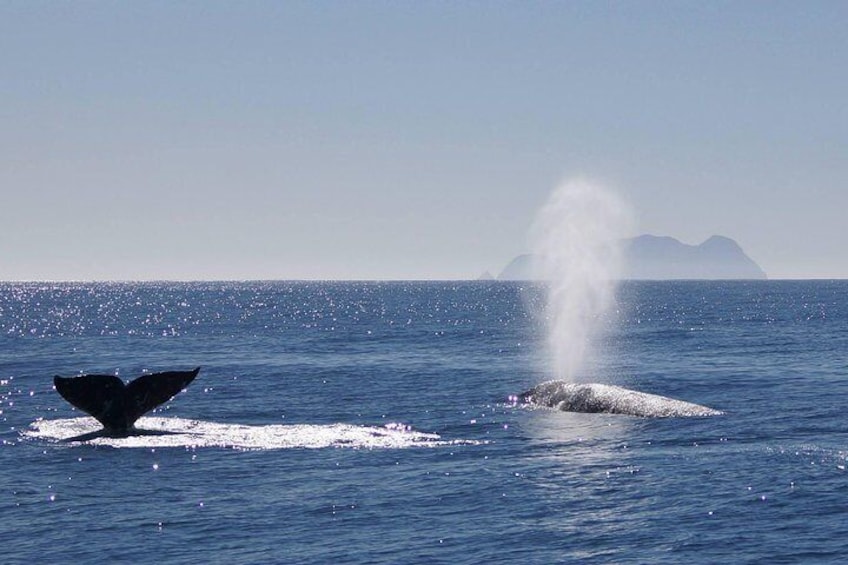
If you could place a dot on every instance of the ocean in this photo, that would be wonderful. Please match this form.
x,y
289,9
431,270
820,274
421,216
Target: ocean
x,y
370,422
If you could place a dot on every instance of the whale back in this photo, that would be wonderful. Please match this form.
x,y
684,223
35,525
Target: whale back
x,y
611,399
117,406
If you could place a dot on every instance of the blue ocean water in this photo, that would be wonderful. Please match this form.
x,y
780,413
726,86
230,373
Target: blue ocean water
x,y
369,423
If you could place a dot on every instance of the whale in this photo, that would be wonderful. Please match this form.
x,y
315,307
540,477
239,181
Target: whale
x,y
117,406
610,399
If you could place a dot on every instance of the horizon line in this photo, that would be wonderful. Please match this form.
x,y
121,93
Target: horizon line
x,y
375,280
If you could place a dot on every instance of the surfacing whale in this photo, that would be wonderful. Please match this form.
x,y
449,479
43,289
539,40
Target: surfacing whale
x,y
610,399
116,405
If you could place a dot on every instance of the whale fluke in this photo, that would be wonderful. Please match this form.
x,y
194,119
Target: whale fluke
x,y
610,399
117,406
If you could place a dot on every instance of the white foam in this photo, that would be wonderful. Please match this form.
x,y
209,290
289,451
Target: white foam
x,y
179,432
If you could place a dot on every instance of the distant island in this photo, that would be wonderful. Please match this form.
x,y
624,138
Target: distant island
x,y
650,257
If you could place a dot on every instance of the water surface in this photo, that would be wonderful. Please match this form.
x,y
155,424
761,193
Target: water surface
x,y
369,423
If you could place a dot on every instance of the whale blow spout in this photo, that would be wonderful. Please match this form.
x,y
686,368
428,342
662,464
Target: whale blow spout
x,y
610,399
117,405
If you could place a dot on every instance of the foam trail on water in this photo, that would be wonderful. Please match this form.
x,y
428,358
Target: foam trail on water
x,y
576,240
179,432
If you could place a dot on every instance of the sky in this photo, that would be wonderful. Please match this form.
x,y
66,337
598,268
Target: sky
x,y
205,140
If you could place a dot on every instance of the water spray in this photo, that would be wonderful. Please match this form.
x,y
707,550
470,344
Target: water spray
x,y
576,241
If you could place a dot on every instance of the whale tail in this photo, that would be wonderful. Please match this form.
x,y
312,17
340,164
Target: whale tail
x,y
117,406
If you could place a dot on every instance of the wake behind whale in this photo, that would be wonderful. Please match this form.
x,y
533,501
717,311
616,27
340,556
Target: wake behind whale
x,y
117,406
610,399
160,432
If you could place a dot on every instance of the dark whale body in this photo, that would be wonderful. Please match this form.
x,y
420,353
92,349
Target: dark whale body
x,y
610,399
117,405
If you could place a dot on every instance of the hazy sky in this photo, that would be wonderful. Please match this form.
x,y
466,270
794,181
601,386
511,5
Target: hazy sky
x,y
410,140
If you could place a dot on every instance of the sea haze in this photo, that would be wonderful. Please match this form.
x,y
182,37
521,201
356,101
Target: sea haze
x,y
370,423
